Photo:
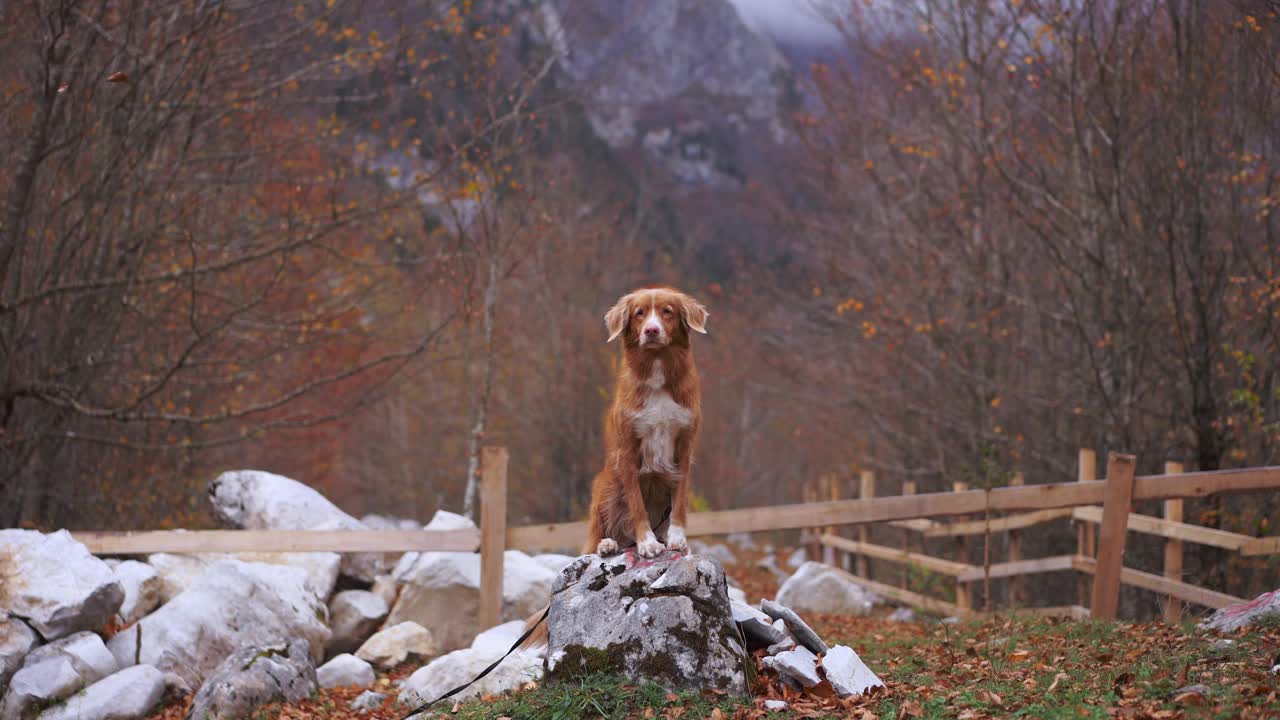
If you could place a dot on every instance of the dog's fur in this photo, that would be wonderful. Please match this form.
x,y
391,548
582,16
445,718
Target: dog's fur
x,y
651,427
642,494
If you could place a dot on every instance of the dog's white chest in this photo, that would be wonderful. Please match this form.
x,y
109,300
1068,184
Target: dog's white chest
x,y
657,423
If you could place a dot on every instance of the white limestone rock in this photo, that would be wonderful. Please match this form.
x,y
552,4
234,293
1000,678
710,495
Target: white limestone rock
x,y
441,592
796,626
354,615
55,671
799,664
395,644
231,605
847,673
129,694
449,671
386,587
345,670
819,588
260,500
142,587
757,627
16,640
499,638
54,583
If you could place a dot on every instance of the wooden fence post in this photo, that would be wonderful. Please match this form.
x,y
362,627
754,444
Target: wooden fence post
x,y
808,494
1111,535
1017,595
963,598
908,488
493,533
866,491
1173,548
1086,470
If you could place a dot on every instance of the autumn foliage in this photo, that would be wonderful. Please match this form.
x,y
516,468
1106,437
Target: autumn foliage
x,y
354,241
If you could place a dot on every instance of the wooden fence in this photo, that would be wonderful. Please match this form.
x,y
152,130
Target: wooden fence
x,y
1104,503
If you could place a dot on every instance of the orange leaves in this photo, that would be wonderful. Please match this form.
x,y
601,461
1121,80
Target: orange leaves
x,y
847,305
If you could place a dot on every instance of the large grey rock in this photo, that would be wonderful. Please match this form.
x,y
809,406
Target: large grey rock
x,y
142,588
441,592
847,673
55,671
55,584
819,588
354,615
800,665
800,629
127,695
345,670
395,644
178,572
16,640
231,605
254,676
449,671
665,620
40,684
264,501
1234,617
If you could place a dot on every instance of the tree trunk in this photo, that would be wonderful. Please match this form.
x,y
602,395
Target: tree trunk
x,y
480,420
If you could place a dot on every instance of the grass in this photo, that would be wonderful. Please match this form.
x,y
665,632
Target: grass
x,y
600,696
1033,667
1010,667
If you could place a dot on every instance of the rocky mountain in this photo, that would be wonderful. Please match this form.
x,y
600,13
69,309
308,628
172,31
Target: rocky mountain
x,y
685,84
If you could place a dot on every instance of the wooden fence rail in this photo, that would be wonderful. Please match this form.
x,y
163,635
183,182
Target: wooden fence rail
x,y
1004,509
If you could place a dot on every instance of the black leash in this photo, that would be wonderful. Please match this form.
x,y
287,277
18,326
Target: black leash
x,y
483,672
517,644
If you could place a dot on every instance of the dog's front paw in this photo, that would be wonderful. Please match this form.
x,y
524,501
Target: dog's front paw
x,y
606,547
676,539
649,547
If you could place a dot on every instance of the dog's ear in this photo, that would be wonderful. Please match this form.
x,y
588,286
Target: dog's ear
x,y
616,319
694,314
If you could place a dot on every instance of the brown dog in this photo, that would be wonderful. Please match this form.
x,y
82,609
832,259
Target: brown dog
x,y
651,427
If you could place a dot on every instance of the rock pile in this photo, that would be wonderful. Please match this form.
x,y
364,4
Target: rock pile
x,y
247,629
240,629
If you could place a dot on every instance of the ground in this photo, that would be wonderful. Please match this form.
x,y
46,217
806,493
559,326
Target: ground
x,y
1007,666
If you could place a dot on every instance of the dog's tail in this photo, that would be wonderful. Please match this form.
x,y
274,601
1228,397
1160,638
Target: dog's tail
x,y
536,627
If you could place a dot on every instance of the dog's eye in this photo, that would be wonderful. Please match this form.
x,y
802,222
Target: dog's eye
x,y
666,311
640,312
